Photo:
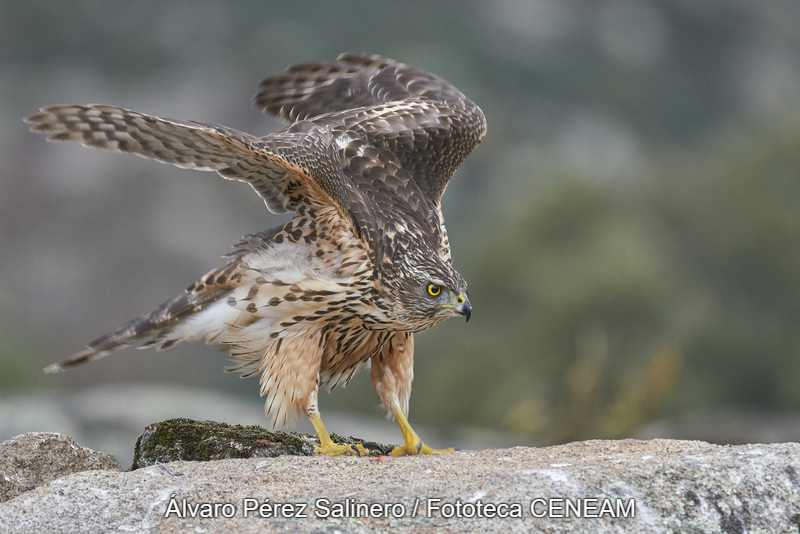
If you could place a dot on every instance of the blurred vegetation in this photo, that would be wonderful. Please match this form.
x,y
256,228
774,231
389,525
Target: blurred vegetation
x,y
629,228
608,306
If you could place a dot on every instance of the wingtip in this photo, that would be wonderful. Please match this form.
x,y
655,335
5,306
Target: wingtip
x,y
35,121
41,122
44,111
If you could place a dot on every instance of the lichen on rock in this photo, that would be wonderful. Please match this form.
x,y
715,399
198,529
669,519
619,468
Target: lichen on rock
x,y
202,441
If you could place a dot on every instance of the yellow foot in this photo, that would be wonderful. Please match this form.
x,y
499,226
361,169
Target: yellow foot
x,y
410,449
332,449
413,444
329,448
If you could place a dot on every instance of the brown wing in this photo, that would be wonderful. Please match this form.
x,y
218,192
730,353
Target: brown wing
x,y
286,168
401,133
306,90
267,165
429,125
383,166
427,139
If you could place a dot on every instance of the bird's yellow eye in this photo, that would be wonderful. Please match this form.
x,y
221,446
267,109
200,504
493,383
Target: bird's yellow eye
x,y
434,290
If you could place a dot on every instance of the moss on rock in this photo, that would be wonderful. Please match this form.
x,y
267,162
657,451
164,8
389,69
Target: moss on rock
x,y
201,441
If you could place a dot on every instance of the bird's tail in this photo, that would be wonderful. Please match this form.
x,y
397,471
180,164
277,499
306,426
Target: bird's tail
x,y
160,321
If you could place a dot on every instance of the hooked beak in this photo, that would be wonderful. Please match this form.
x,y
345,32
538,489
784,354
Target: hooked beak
x,y
463,307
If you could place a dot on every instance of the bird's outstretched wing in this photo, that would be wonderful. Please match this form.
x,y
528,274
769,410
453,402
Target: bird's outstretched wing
x,y
401,133
276,167
382,151
306,90
376,105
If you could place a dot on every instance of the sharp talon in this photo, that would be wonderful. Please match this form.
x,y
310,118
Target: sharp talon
x,y
388,451
355,448
419,447
371,445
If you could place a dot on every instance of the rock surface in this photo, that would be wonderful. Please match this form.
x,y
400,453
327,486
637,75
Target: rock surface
x,y
33,459
675,486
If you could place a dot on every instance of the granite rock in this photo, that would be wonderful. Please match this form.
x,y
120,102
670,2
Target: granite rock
x,y
585,487
29,460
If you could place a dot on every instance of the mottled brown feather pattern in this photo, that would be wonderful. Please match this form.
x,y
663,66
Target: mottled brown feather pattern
x,y
370,147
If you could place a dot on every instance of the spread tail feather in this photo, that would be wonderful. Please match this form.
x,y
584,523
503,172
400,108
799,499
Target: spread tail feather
x,y
199,296
124,336
150,324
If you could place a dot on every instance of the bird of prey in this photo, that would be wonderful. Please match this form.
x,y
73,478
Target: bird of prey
x,y
369,148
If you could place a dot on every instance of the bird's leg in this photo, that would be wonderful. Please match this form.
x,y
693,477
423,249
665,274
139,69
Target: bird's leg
x,y
391,372
326,445
413,445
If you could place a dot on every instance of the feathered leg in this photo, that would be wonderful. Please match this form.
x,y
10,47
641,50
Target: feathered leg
x,y
392,373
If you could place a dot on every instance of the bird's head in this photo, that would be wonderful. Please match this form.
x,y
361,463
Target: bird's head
x,y
427,290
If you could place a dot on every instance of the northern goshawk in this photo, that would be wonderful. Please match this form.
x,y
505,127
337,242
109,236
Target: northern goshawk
x,y
370,147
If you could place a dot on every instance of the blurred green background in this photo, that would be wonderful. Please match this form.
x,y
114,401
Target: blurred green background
x,y
629,228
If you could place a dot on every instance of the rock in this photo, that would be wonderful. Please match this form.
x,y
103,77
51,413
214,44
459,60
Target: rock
x,y
110,417
30,460
587,487
184,439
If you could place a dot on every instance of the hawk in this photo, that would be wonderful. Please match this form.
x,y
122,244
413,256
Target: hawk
x,y
369,148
